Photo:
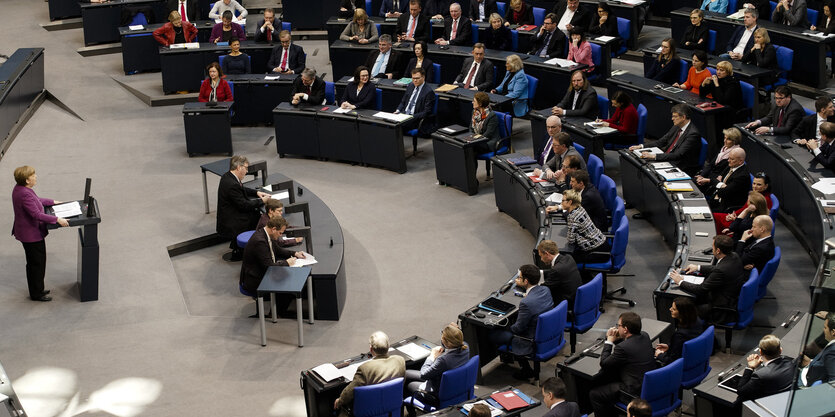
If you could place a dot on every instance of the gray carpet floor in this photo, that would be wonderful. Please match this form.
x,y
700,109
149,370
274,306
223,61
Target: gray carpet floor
x,y
170,336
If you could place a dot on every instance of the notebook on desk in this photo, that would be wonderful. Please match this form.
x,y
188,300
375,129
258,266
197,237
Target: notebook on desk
x,y
497,306
453,130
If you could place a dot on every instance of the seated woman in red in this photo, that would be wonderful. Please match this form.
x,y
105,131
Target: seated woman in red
x,y
762,185
215,88
175,31
625,119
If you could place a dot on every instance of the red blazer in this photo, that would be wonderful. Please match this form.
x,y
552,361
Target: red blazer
x,y
165,34
625,120
224,93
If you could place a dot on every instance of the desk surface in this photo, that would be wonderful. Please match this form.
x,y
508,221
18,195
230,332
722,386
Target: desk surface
x,y
151,27
284,279
656,88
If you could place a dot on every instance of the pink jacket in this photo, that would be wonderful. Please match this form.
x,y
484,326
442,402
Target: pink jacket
x,y
29,218
581,55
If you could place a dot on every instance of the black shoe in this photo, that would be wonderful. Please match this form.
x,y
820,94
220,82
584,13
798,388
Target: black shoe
x,y
506,357
45,292
42,298
523,374
638,216
233,256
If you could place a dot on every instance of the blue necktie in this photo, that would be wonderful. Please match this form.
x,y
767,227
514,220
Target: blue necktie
x,y
377,66
544,49
411,107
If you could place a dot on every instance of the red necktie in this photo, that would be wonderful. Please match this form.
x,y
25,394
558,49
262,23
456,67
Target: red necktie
x,y
412,28
183,11
269,36
284,61
780,119
469,79
673,145
454,29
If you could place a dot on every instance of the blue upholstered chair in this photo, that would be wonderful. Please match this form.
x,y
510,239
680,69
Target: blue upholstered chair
x,y
538,16
769,270
744,311
616,261
586,309
330,93
549,338
625,33
378,99
711,41
696,355
436,73
595,167
503,146
457,386
379,400
703,153
602,107
661,389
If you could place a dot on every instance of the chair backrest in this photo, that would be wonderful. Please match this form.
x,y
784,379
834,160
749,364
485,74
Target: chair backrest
x,y
642,123
696,355
379,400
231,87
711,41
580,149
436,73
775,208
368,8
502,7
595,167
660,388
619,244
532,83
550,330
596,56
747,94
220,60
618,214
769,270
330,92
139,19
378,99
505,124
773,5
538,16
587,303
514,39
475,33
785,56
624,29
608,191
711,70
703,152
683,68
289,27
812,17
458,385
747,297
379,28
808,112
732,6
602,106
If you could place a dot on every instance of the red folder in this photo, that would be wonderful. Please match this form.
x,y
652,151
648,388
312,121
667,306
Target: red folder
x,y
509,400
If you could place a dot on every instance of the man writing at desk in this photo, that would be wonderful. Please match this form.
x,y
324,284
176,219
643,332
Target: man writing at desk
x,y
562,146
237,209
380,368
308,89
626,356
680,145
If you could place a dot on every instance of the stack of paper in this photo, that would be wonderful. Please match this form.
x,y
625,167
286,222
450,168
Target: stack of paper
x,y
678,186
327,371
67,209
561,62
693,279
825,185
602,130
272,77
281,195
308,260
605,38
136,27
394,117
340,110
192,45
673,174
633,2
414,351
652,150
554,198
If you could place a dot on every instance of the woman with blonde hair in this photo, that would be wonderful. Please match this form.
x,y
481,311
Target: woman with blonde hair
x,y
360,30
515,85
453,352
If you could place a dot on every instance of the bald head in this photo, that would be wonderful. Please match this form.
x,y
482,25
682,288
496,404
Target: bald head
x,y
761,226
736,157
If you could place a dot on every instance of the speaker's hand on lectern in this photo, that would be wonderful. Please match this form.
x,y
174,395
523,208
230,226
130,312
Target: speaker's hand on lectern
x,y
63,222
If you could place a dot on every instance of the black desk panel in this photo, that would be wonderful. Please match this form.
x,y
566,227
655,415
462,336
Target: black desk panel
x,y
21,81
575,126
256,97
140,51
208,129
102,20
64,9
185,69
517,196
455,160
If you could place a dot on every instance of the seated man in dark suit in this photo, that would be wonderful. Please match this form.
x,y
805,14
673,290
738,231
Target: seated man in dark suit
x,y
549,42
561,146
681,145
458,30
822,366
580,99
592,200
269,28
768,372
537,300
553,395
287,58
730,190
824,151
435,9
419,101
186,8
756,245
638,408
384,62
790,13
784,117
809,126
721,285
413,26
261,252
394,8
275,208
308,89
626,356
562,277
476,73
237,207
380,368
480,10
562,177
569,14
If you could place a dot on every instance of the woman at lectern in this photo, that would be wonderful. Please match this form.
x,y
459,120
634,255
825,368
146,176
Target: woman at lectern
x,y
215,88
30,228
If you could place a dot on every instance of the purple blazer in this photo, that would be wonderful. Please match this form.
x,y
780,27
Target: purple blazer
x,y
29,217
217,32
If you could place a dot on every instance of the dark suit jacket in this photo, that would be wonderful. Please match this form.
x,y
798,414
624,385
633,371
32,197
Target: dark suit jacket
x,y
792,116
237,207
424,105
676,345
581,18
262,36
394,66
465,31
490,7
586,104
713,169
767,380
295,58
556,45
729,92
483,78
686,152
694,34
593,203
564,409
555,162
526,18
257,259
563,279
498,39
757,254
794,16
317,90
764,58
421,28
191,9
666,73
427,66
388,6
490,130
827,156
738,35
537,301
435,7
630,359
822,367
431,371
806,128
363,100
608,28
722,283
735,193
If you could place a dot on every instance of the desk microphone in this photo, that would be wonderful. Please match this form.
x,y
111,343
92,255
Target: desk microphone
x,y
728,372
665,285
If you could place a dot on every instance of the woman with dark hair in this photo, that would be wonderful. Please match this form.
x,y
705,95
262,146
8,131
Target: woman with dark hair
x,y
236,62
697,74
606,23
695,37
666,67
214,87
497,35
420,61
225,31
579,49
625,119
756,206
762,185
359,94
689,326
484,123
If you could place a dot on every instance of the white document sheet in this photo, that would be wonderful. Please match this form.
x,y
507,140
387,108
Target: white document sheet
x,y
652,150
308,260
67,209
414,351
696,210
693,279
327,371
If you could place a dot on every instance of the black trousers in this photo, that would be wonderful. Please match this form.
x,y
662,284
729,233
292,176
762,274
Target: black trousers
x,y
603,398
35,267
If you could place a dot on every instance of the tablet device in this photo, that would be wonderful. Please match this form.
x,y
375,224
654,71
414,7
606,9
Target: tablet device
x,y
731,383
